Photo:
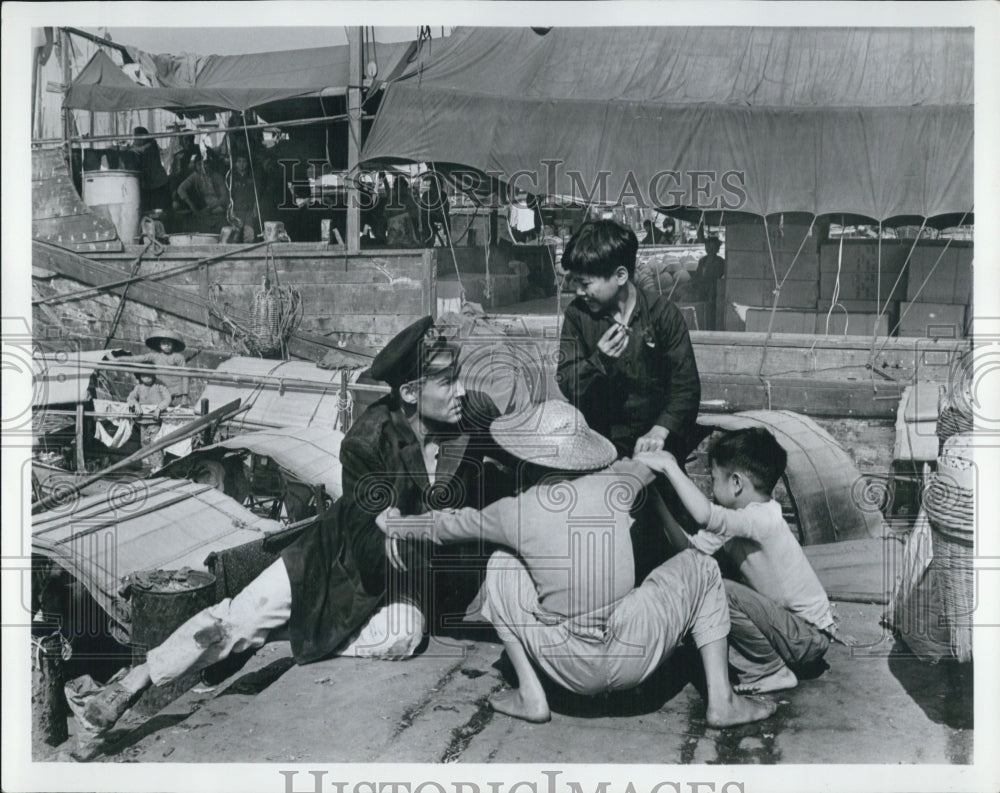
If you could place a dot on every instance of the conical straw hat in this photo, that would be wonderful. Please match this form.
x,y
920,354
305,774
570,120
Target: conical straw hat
x,y
553,434
159,332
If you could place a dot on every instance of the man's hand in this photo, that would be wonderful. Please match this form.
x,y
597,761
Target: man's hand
x,y
383,518
391,543
614,341
652,441
393,555
659,461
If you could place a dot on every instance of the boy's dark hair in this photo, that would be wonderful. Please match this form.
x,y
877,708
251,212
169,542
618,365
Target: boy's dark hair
x,y
599,248
752,451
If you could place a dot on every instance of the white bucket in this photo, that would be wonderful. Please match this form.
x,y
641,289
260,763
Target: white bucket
x,y
119,192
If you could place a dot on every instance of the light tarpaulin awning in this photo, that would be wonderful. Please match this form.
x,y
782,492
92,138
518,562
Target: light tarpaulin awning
x,y
875,122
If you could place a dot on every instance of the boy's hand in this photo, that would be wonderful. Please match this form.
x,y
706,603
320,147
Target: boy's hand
x,y
652,441
659,461
614,341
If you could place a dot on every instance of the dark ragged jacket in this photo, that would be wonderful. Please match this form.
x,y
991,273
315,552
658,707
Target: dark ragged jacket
x,y
338,568
655,381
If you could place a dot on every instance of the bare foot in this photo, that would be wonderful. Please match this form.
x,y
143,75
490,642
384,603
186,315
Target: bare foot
x,y
514,703
781,680
739,710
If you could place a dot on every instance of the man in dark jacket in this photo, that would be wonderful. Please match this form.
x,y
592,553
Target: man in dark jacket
x,y
341,585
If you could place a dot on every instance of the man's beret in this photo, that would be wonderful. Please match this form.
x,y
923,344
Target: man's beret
x,y
413,353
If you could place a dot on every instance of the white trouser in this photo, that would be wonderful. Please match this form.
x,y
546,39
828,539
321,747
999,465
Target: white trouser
x,y
244,622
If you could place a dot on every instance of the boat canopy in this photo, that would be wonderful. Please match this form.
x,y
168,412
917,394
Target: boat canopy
x,y
190,82
876,123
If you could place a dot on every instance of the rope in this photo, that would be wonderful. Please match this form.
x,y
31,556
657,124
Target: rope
x,y
774,304
835,299
451,248
253,178
906,262
274,314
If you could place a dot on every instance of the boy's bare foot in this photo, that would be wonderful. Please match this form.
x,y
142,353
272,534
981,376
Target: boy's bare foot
x,y
781,680
739,710
514,703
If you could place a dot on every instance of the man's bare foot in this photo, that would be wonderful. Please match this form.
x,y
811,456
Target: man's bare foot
x,y
781,680
514,703
739,710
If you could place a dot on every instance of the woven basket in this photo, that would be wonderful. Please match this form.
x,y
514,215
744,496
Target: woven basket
x,y
949,501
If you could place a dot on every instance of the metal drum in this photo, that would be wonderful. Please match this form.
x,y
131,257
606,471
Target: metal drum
x,y
118,193
161,601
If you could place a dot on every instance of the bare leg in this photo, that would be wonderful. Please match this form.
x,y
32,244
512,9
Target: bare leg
x,y
781,680
528,700
725,708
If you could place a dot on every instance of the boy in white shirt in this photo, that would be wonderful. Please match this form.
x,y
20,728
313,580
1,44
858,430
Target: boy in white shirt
x,y
782,616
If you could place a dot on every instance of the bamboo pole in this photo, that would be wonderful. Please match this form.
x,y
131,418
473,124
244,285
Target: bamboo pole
x,y
299,122
226,411
61,298
214,376
355,49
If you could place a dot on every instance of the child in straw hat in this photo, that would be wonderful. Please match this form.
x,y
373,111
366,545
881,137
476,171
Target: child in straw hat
x,y
565,597
166,349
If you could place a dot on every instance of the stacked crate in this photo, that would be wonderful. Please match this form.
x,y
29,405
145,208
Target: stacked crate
x,y
851,273
750,278
939,291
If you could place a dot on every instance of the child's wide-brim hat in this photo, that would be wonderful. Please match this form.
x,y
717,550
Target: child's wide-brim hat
x,y
553,434
159,333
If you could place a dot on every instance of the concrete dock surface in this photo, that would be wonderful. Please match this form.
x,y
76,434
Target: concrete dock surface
x,y
873,704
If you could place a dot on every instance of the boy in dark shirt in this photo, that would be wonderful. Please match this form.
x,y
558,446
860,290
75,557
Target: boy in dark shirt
x,y
625,360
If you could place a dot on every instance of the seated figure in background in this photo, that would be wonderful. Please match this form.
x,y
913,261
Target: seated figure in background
x,y
153,180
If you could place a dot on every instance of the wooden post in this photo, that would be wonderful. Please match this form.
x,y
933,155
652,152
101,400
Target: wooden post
x,y
206,284
81,462
353,137
206,438
64,45
49,709
345,418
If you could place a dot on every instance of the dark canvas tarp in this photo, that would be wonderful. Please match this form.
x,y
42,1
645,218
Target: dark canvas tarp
x,y
877,122
228,82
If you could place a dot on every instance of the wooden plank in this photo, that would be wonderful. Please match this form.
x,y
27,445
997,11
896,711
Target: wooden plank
x,y
378,324
162,298
345,299
823,398
311,270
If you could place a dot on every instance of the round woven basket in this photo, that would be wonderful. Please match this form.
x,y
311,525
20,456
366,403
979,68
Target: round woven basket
x,y
950,504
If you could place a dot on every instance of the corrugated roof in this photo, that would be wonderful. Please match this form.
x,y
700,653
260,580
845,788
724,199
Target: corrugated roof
x,y
270,405
147,524
310,454
61,377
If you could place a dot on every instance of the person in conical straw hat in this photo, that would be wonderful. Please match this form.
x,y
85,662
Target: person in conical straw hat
x,y
564,596
166,349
